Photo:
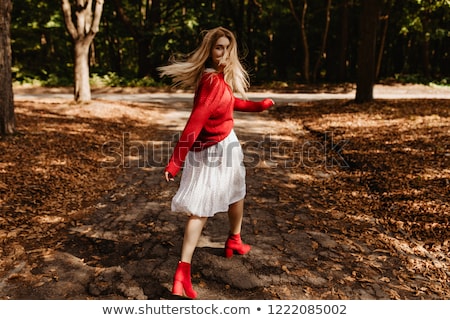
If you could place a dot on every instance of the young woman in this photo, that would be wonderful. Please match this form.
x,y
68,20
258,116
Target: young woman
x,y
213,178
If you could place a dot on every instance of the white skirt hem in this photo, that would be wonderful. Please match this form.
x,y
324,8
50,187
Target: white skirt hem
x,y
212,179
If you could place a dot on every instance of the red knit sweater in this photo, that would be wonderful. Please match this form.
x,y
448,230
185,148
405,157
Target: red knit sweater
x,y
211,119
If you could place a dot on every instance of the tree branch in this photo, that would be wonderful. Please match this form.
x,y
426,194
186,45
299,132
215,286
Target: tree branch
x,y
67,11
97,16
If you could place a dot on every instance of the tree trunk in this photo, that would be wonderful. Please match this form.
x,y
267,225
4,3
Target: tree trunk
x,y
324,41
383,38
342,59
82,89
367,50
426,57
82,31
382,43
305,42
142,33
301,24
7,120
153,21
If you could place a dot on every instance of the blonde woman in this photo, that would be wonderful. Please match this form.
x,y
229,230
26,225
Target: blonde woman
x,y
213,178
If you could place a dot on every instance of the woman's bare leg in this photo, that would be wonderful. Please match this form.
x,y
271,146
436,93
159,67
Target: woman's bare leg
x,y
235,216
234,242
192,233
182,278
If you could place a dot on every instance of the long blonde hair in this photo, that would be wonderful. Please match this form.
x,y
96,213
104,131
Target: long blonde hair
x,y
188,72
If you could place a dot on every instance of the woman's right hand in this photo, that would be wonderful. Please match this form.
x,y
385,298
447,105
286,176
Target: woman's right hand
x,y
168,176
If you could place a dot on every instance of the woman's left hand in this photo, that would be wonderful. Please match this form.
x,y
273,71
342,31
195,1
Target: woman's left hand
x,y
267,103
168,176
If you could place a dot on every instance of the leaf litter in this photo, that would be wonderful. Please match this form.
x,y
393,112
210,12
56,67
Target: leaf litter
x,y
358,208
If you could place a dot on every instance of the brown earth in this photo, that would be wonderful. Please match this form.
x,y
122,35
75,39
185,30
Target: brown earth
x,y
344,201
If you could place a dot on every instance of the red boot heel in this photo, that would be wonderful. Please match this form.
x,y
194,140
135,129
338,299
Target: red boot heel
x,y
228,252
182,281
234,245
177,289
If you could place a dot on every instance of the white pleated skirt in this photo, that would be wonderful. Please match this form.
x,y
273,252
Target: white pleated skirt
x,y
212,179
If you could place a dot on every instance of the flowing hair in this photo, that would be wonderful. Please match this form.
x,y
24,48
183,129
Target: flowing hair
x,y
188,71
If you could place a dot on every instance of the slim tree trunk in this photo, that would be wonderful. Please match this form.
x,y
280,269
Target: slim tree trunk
x,y
142,32
426,45
304,37
82,31
305,42
382,42
383,38
367,50
324,41
342,59
7,120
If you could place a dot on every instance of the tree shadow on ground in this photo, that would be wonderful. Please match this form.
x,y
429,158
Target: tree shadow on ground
x,y
88,223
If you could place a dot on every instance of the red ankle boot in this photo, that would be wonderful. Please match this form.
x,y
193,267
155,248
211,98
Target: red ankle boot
x,y
182,281
234,245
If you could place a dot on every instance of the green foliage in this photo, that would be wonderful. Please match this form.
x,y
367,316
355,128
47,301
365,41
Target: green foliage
x,y
421,79
411,78
112,79
428,19
127,52
444,82
41,51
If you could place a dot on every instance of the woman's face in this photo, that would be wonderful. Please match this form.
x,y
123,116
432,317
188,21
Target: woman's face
x,y
219,53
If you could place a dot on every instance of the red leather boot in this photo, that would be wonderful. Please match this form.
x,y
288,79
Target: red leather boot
x,y
234,245
182,281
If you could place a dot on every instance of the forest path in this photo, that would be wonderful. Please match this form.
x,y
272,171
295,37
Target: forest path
x,y
328,217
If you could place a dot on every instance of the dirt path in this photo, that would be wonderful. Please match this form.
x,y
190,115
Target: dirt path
x,y
93,220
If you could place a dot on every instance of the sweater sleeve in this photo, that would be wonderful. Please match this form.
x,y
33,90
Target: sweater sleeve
x,y
206,94
252,106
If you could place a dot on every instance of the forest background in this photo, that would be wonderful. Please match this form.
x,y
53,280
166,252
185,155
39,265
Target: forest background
x,y
282,43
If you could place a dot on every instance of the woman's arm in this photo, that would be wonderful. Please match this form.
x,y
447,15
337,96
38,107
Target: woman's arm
x,y
252,106
201,111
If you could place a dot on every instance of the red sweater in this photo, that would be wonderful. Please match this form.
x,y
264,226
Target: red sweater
x,y
211,119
